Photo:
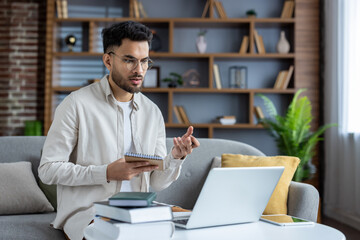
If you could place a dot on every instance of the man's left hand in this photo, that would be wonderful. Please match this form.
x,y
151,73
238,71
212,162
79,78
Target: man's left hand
x,y
185,144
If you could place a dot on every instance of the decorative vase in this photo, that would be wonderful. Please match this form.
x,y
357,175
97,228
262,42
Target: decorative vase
x,y
201,44
283,45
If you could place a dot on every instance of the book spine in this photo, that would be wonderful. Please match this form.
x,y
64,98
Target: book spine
x,y
217,76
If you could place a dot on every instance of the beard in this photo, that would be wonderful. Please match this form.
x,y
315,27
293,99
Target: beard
x,y
125,83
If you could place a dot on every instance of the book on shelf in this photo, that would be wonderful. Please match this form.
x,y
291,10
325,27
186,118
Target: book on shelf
x,y
244,44
177,114
286,81
136,8
152,213
183,115
220,9
217,6
142,10
132,199
288,9
206,9
279,79
64,8
122,230
59,8
152,159
217,76
258,112
259,43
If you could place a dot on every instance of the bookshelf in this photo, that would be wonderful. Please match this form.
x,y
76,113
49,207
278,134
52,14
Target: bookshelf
x,y
174,51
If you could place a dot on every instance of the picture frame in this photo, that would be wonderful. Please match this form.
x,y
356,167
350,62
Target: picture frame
x,y
152,78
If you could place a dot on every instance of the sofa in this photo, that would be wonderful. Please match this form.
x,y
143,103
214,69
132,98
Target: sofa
x,y
303,199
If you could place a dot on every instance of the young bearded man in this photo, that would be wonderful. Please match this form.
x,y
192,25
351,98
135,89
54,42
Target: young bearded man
x,y
95,126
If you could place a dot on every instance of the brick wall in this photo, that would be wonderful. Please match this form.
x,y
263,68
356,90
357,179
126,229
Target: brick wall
x,y
22,49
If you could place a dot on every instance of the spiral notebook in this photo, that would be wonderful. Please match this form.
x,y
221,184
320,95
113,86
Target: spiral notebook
x,y
152,159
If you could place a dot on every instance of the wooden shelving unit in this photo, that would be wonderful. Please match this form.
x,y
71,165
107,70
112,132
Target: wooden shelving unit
x,y
249,24
304,55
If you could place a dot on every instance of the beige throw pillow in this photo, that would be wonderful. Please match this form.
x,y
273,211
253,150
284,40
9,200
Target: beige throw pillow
x,y
278,201
19,192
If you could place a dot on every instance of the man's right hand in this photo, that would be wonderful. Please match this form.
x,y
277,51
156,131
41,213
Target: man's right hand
x,y
120,170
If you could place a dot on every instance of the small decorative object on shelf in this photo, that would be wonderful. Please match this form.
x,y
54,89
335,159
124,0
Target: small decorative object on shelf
x,y
283,46
174,80
226,120
251,13
156,42
152,78
201,41
191,78
238,77
70,41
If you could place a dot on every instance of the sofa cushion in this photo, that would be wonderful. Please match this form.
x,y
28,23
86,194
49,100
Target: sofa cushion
x,y
278,201
19,192
30,227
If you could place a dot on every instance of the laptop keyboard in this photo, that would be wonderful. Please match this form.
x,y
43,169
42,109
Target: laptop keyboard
x,y
181,221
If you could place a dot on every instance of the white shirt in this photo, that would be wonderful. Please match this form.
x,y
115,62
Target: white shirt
x,y
87,135
126,108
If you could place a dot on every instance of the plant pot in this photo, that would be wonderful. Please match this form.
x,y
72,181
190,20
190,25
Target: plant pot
x,y
172,85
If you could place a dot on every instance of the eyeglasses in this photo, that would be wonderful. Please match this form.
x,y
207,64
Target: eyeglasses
x,y
131,63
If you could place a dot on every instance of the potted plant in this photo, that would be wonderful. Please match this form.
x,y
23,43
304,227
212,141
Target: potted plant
x,y
251,13
174,80
292,132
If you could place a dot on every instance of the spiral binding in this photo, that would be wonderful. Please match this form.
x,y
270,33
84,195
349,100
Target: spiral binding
x,y
140,155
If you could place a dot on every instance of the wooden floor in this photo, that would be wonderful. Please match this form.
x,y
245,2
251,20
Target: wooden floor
x,y
349,232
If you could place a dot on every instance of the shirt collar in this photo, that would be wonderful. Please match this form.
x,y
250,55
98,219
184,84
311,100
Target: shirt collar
x,y
104,82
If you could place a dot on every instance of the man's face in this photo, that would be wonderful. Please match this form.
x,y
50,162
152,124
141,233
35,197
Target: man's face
x,y
127,70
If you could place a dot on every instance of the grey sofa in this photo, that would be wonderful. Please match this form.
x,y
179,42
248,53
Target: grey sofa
x,y
303,199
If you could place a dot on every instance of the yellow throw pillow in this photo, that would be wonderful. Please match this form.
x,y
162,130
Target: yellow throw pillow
x,y
278,201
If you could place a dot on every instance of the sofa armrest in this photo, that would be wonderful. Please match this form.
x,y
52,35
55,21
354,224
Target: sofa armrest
x,y
303,201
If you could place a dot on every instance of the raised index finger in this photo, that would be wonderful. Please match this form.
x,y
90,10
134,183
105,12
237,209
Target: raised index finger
x,y
189,131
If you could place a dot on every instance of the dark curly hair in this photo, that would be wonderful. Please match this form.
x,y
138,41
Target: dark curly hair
x,y
113,36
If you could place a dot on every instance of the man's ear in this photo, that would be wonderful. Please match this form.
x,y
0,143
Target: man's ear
x,y
107,61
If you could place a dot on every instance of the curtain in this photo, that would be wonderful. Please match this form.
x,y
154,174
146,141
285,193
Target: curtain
x,y
342,105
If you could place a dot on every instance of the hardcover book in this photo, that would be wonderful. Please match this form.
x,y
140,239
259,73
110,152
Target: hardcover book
x,y
132,199
134,214
121,230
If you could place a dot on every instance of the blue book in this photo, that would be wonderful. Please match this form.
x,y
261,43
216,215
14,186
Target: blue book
x,y
132,199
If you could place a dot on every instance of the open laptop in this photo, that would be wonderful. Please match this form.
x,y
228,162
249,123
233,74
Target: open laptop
x,y
231,196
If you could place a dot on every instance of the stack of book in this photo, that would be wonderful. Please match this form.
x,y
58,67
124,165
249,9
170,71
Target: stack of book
x,y
137,9
217,5
181,115
288,9
62,8
283,78
143,220
226,120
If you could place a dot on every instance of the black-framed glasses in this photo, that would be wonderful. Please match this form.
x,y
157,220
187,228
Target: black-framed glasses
x,y
131,63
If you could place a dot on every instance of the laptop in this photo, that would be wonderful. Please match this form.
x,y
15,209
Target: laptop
x,y
232,196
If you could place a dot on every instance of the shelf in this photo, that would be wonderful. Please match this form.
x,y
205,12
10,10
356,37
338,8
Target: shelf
x,y
193,90
192,21
214,125
185,55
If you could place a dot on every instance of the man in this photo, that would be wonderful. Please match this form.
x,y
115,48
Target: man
x,y
95,126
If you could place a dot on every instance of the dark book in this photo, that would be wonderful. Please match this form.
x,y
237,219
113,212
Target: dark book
x,y
132,199
134,214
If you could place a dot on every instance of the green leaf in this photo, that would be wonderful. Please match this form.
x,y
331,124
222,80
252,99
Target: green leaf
x,y
292,132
